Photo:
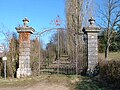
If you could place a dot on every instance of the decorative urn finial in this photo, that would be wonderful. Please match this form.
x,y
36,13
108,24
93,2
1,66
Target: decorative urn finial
x,y
25,21
92,21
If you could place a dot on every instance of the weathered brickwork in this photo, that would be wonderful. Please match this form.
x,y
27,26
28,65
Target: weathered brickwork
x,y
24,49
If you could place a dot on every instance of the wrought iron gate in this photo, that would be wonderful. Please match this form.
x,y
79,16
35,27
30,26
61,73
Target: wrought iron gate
x,y
60,63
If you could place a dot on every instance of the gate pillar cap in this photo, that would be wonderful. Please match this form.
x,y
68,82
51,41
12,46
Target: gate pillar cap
x,y
92,28
25,27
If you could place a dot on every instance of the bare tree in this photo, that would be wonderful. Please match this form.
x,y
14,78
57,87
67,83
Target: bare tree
x,y
73,23
10,42
13,55
35,45
110,17
77,11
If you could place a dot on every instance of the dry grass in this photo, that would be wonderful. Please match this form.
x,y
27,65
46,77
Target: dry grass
x,y
43,82
70,82
112,56
21,82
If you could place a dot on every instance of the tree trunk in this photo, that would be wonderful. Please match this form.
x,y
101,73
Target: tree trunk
x,y
106,51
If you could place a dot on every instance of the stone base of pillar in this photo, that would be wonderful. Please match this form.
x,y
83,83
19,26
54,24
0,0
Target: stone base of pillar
x,y
23,72
93,71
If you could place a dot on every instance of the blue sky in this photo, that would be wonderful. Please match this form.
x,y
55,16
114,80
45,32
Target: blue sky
x,y
39,12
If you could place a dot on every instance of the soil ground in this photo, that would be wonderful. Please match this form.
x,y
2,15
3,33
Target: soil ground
x,y
39,86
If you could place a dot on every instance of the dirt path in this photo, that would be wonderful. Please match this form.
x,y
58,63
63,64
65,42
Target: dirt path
x,y
39,86
47,87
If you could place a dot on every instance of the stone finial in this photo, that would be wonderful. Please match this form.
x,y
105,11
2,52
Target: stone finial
x,y
92,21
25,21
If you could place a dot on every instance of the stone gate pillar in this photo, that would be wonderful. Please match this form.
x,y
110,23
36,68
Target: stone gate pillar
x,y
24,49
92,35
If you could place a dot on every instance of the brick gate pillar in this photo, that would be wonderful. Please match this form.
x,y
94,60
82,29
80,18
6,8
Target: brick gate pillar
x,y
24,49
92,34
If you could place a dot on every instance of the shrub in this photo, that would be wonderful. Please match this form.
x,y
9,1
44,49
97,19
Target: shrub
x,y
110,72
